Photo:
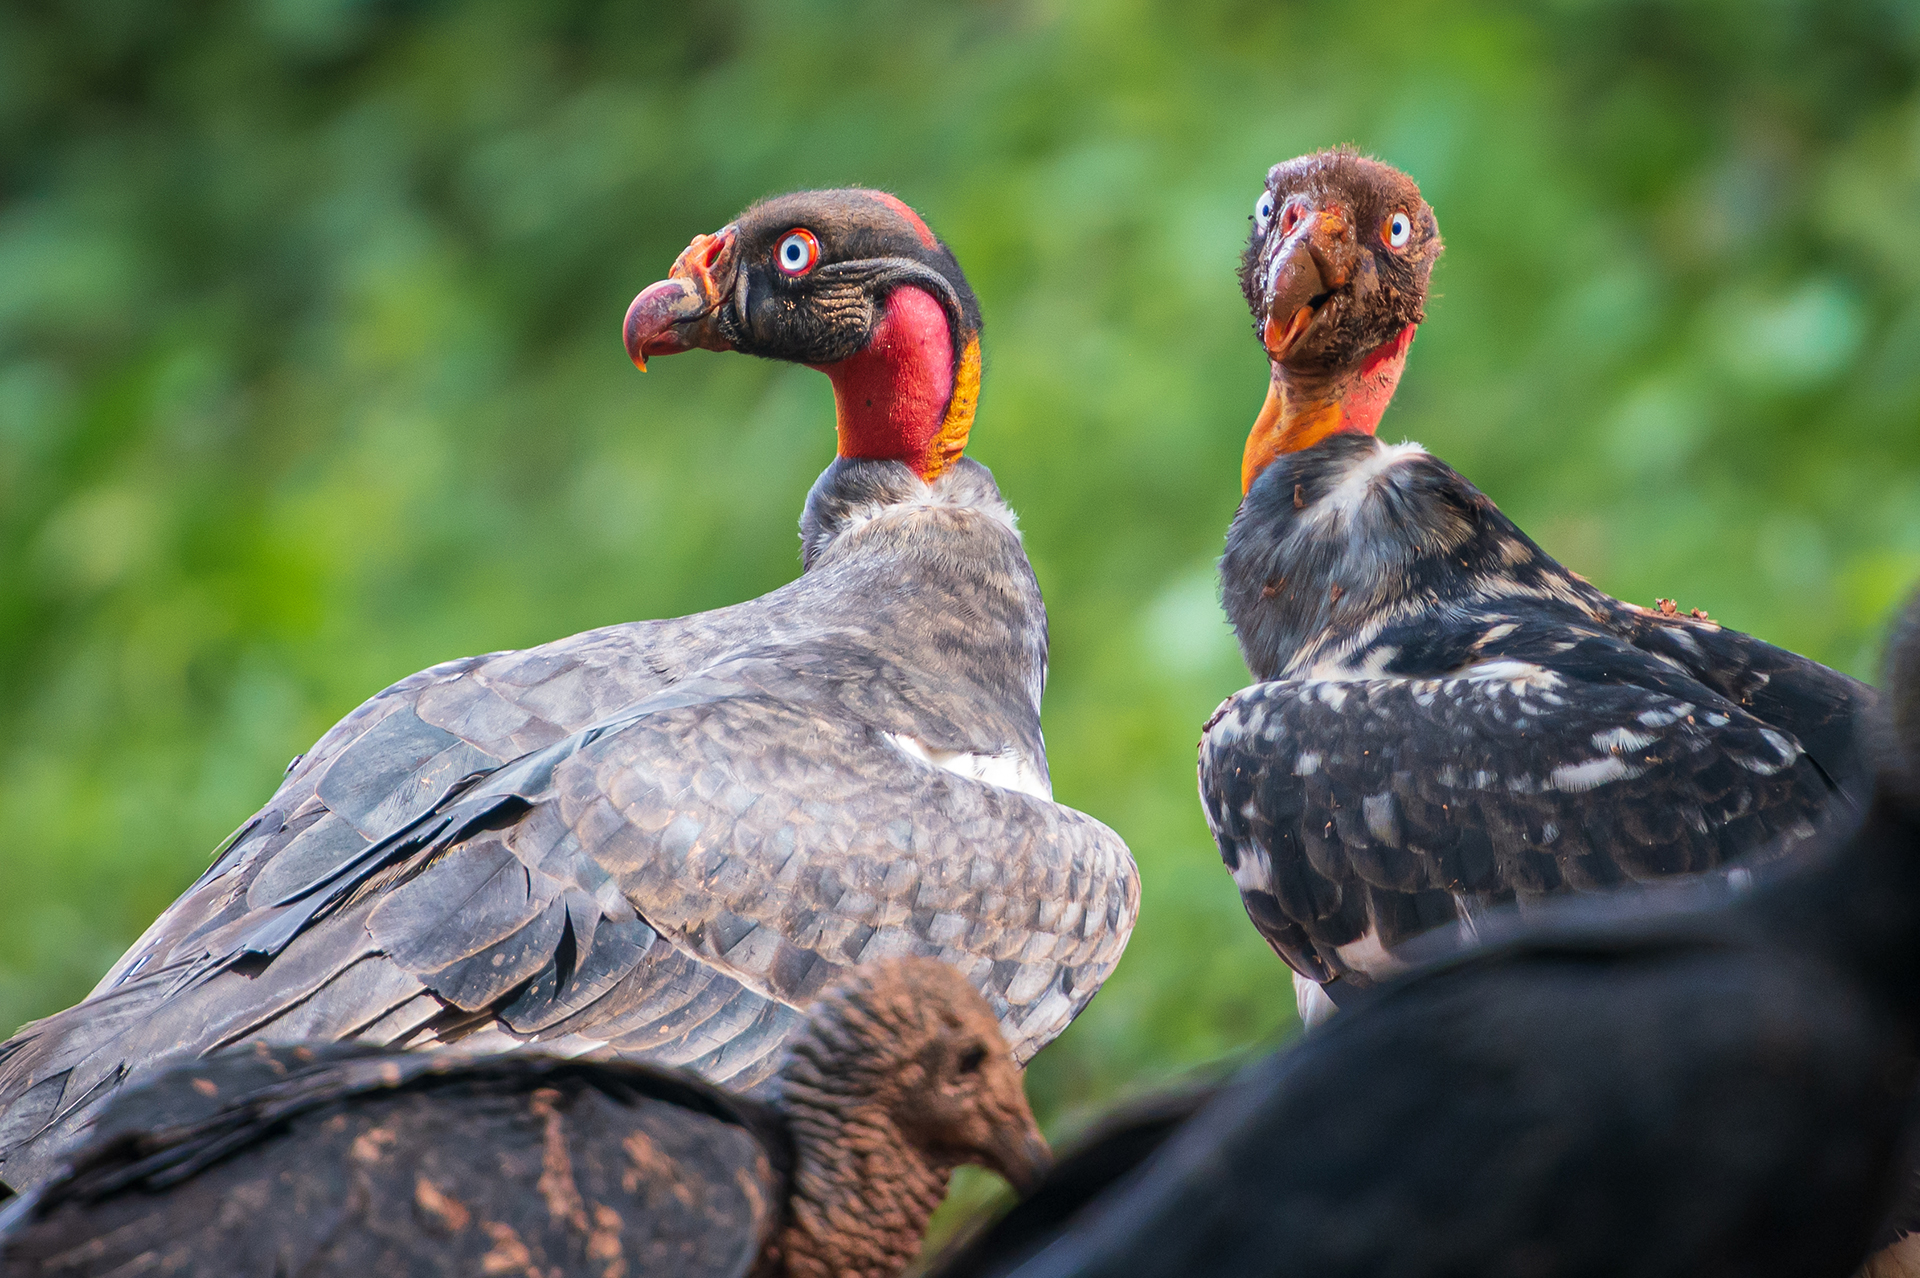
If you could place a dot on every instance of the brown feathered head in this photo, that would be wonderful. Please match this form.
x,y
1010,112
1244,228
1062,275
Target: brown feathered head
x,y
900,1076
1336,273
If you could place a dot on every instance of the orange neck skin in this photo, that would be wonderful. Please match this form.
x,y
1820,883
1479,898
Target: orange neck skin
x,y
1301,409
903,397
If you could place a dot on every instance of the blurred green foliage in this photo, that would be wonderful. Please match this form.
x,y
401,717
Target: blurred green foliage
x,y
310,373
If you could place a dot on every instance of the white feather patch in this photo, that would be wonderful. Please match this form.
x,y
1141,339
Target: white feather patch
x,y
1675,711
1577,777
1316,1009
1253,872
1009,770
1368,955
1622,739
935,496
1519,675
1351,492
1786,749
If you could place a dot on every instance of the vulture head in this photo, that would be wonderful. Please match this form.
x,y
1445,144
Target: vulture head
x,y
899,1077
1336,273
851,282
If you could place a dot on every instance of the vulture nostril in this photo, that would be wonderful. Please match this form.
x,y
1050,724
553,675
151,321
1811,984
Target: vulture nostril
x,y
716,244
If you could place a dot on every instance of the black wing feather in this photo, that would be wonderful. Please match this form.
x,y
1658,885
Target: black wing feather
x,y
1385,806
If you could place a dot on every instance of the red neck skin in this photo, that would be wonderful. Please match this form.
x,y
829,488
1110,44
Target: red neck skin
x,y
890,398
1373,386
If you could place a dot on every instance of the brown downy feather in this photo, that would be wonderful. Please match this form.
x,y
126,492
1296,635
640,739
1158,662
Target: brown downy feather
x,y
900,1076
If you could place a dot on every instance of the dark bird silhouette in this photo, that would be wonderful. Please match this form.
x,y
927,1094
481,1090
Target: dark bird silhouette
x,y
1605,1091
1101,1159
1447,720
661,839
367,1161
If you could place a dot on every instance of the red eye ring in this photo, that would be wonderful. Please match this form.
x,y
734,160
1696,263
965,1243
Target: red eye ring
x,y
797,252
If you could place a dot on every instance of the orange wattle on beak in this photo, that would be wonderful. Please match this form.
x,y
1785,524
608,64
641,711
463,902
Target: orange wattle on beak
x,y
1318,260
677,313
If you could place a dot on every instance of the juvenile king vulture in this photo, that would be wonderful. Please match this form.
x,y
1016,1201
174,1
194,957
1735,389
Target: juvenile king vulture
x,y
1714,1081
659,840
1446,718
359,1161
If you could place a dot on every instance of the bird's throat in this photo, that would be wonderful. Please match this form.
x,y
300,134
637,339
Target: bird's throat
x,y
905,396
1303,409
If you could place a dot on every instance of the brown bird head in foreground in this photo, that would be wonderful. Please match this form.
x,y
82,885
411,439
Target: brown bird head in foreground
x,y
851,282
1336,273
901,1076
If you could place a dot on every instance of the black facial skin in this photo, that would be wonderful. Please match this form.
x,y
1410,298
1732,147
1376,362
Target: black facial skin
x,y
867,249
1363,289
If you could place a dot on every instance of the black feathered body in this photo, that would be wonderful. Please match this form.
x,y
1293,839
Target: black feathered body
x,y
1117,1147
1714,1086
414,1163
656,840
1449,720
1657,1115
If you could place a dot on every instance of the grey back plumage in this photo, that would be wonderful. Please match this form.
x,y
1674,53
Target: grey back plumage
x,y
656,839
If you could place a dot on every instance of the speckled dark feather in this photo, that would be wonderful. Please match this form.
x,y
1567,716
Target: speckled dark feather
x,y
376,1162
1355,569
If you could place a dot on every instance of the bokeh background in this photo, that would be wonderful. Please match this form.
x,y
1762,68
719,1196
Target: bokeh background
x,y
310,373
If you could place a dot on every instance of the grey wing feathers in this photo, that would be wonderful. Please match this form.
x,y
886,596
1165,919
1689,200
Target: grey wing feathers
x,y
656,840
174,991
1366,811
275,1162
672,882
395,757
727,825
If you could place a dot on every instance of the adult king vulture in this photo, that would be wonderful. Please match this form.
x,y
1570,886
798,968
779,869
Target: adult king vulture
x,y
1446,718
659,840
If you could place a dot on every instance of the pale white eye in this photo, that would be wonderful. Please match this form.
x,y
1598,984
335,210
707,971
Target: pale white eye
x,y
797,251
1263,211
1399,230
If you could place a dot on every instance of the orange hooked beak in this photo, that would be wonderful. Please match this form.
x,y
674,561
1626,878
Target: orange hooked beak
x,y
677,314
1316,259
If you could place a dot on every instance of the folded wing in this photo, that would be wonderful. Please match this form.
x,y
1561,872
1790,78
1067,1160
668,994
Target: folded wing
x,y
1356,813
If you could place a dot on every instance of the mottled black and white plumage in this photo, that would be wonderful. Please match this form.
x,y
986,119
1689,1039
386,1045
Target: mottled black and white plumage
x,y
1711,1081
1446,718
359,1161
656,840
